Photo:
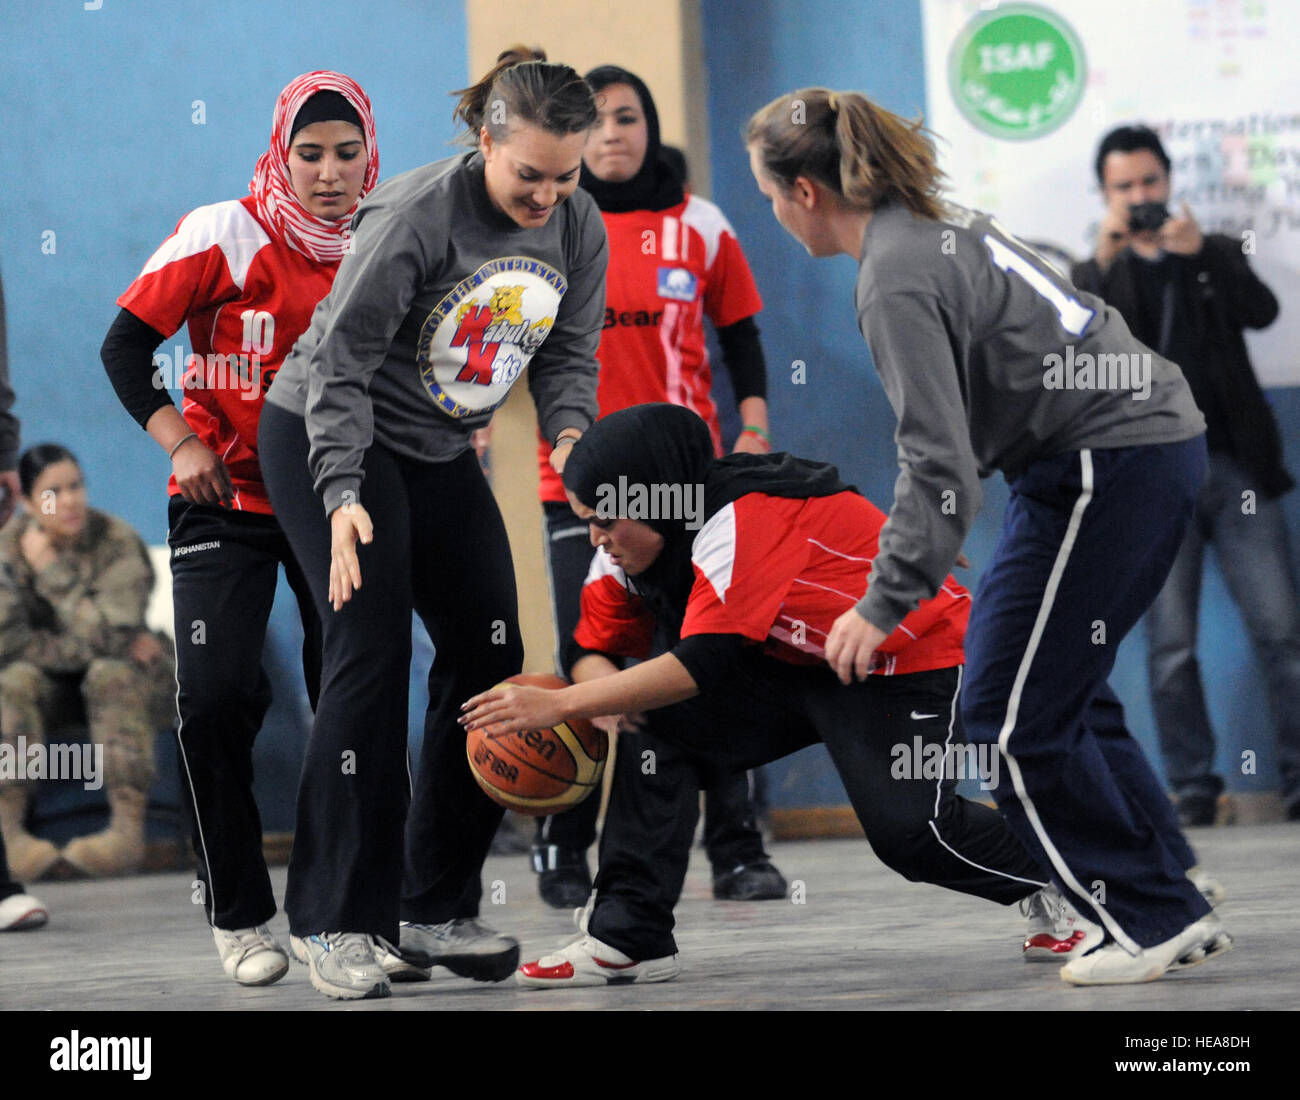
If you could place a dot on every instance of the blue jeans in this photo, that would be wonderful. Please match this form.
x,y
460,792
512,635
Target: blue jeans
x,y
1254,554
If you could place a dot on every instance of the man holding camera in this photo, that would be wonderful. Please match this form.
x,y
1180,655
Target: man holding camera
x,y
1189,295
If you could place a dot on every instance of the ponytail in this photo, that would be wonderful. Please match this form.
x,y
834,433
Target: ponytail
x,y
522,87
857,150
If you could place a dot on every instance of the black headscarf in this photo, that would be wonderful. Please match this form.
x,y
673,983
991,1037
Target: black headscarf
x,y
663,444
655,186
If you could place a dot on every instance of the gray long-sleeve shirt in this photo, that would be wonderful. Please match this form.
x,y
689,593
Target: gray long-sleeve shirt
x,y
990,359
439,306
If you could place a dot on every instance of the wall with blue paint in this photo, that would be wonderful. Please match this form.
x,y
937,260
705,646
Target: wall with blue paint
x,y
120,120
761,49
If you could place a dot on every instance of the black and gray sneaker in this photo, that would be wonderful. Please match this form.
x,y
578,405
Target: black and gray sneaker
x,y
563,880
749,882
464,946
343,965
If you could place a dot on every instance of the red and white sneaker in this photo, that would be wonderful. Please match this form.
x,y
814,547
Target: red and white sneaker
x,y
587,961
1057,932
22,912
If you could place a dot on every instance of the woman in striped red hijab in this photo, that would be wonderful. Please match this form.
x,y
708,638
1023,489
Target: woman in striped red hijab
x,y
311,98
245,276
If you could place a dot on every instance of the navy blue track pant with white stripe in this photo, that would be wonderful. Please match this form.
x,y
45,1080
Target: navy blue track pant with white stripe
x,y
1087,540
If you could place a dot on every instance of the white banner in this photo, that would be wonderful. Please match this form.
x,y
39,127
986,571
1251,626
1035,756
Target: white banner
x,y
1021,94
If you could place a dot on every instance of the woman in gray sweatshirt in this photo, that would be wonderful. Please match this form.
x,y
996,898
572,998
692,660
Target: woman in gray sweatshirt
x,y
992,360
462,273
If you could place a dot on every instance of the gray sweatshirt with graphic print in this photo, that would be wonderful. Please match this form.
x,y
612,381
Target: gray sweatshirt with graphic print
x,y
990,359
441,303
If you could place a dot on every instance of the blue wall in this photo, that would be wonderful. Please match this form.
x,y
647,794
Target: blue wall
x,y
102,149
761,49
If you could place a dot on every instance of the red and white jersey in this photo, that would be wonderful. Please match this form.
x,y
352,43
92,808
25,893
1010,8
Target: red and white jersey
x,y
668,269
247,297
779,572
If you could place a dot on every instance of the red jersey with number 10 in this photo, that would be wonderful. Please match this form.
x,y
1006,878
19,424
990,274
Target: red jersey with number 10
x,y
247,297
668,269
779,571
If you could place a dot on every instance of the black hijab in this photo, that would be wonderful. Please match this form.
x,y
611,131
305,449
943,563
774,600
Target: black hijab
x,y
663,444
655,186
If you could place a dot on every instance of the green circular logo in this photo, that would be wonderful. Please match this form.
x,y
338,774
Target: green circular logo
x,y
1017,72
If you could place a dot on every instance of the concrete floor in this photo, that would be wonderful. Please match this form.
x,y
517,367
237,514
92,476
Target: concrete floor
x,y
863,939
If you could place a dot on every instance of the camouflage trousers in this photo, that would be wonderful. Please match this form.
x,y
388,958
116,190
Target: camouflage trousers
x,y
122,705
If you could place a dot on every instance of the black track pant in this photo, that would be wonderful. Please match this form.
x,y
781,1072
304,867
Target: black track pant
x,y
439,548
914,821
225,565
731,833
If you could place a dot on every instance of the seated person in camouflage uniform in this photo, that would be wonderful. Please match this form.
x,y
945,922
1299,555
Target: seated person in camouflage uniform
x,y
74,585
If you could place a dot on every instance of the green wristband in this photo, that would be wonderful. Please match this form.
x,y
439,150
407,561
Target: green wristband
x,y
757,431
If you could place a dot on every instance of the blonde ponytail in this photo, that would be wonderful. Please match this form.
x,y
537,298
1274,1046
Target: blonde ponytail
x,y
856,149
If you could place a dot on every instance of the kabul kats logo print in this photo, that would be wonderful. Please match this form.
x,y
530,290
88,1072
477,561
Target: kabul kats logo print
x,y
482,334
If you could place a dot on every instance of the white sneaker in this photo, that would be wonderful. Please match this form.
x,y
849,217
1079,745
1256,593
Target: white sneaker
x,y
1210,887
343,965
1057,932
251,955
1110,964
587,961
22,913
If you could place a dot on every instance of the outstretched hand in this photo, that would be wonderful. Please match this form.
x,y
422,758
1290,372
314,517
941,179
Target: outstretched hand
x,y
348,522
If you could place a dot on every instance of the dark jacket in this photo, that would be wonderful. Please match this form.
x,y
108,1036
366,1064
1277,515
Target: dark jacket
x,y
1223,296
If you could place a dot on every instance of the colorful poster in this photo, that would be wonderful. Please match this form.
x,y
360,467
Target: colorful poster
x,y
1021,93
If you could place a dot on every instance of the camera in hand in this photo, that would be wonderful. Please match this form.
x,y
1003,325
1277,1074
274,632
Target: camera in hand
x,y
1146,217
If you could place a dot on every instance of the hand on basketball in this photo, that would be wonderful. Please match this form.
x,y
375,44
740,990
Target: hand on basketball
x,y
512,708
850,646
201,475
348,522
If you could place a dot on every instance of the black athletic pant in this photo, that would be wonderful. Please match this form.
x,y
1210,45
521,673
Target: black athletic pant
x,y
225,565
918,826
439,548
731,833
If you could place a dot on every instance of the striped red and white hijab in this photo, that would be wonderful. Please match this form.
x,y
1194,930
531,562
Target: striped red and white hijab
x,y
323,239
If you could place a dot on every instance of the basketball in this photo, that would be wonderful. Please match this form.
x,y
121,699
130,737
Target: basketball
x,y
539,772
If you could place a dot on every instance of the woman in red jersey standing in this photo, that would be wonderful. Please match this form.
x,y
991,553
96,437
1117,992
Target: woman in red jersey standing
x,y
245,275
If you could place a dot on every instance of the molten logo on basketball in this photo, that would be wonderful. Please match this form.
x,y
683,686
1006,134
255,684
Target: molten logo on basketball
x,y
538,741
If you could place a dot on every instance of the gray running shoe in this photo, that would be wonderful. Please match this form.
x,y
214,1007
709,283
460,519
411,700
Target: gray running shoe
x,y
396,967
464,946
343,965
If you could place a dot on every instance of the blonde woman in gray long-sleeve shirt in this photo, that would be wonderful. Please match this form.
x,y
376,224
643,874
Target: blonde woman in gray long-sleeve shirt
x,y
992,360
462,273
